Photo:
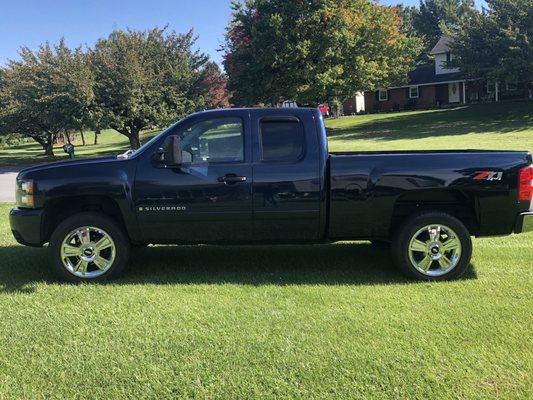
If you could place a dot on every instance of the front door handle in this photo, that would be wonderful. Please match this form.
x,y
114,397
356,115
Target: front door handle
x,y
230,179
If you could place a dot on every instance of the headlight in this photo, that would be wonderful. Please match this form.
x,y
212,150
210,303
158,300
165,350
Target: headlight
x,y
26,187
26,192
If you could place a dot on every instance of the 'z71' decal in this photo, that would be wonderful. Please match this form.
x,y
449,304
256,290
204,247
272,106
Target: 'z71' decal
x,y
488,176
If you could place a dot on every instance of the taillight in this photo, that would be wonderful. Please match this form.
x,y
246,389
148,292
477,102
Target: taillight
x,y
525,184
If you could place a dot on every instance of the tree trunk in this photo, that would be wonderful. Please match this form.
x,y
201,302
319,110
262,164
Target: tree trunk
x,y
96,133
48,149
82,137
68,137
47,143
135,142
133,136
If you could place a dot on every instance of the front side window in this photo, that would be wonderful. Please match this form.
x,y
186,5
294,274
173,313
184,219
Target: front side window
x,y
413,92
282,140
383,95
218,140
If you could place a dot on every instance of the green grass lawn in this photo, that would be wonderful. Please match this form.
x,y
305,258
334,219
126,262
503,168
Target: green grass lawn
x,y
110,142
325,321
486,126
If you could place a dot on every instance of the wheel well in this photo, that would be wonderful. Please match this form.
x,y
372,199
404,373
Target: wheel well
x,y
453,202
59,210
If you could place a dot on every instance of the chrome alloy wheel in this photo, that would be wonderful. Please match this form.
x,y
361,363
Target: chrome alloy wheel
x,y
88,252
435,250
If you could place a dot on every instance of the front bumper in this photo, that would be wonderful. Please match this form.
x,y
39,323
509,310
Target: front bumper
x,y
524,222
26,226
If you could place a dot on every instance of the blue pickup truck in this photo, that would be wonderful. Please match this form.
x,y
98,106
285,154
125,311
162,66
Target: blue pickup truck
x,y
258,176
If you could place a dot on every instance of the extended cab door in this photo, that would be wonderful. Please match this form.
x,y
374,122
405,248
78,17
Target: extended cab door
x,y
208,199
286,180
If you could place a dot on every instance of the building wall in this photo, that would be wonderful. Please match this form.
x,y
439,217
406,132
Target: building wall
x,y
349,107
355,104
399,99
438,95
360,102
440,65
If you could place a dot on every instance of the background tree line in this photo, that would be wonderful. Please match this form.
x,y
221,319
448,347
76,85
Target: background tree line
x,y
494,42
327,50
129,81
305,50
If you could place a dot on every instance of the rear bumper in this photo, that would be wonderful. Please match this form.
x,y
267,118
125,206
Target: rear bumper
x,y
26,226
524,222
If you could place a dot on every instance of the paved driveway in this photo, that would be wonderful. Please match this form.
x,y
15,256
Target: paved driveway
x,y
7,183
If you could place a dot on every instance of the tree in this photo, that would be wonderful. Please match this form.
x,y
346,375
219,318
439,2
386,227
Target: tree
x,y
213,85
407,15
497,44
42,93
313,50
146,78
78,84
437,17
97,119
3,103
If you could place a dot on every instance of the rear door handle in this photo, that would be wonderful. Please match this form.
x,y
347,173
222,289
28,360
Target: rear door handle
x,y
230,179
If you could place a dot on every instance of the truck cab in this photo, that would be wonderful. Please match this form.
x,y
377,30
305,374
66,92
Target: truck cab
x,y
242,176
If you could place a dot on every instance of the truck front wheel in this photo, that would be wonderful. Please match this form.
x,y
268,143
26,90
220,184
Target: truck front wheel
x,y
88,247
433,246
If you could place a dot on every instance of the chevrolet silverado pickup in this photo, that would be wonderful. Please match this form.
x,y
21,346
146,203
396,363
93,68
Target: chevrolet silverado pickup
x,y
245,176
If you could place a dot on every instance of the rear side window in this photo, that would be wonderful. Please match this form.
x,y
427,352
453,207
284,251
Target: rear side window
x,y
282,140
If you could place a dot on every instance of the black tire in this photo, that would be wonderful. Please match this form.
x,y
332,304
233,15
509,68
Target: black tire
x,y
89,219
402,239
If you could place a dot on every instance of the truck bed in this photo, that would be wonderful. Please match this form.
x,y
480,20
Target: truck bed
x,y
370,190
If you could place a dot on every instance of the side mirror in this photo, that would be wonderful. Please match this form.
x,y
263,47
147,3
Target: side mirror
x,y
171,153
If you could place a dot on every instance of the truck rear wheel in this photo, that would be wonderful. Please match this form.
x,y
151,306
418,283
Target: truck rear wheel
x,y
88,247
433,246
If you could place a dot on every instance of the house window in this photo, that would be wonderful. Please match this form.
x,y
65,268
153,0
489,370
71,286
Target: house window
x,y
413,92
383,95
448,57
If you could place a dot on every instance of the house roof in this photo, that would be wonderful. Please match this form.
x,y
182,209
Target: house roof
x,y
442,46
425,74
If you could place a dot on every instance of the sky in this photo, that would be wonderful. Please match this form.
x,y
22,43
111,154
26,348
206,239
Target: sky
x,y
82,22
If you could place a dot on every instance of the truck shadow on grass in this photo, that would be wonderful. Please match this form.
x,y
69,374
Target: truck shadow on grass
x,y
339,264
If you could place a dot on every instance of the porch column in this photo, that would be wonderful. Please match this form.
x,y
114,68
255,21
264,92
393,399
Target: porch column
x,y
497,93
464,92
